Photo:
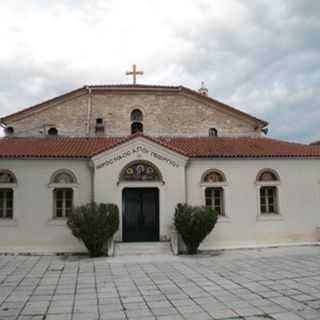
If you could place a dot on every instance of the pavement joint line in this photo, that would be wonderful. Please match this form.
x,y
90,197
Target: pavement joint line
x,y
18,284
275,284
190,296
36,286
145,301
118,292
75,290
96,286
165,294
55,289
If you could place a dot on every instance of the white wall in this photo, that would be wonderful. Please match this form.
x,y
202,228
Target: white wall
x,y
172,191
299,201
33,228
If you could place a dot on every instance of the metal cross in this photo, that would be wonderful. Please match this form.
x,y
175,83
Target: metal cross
x,y
134,73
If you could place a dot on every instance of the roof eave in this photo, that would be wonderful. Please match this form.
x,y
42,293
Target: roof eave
x,y
38,106
262,123
130,88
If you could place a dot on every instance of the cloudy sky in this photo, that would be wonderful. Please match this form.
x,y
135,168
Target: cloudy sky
x,y
260,56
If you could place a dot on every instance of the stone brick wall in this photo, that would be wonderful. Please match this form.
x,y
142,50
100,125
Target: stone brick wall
x,y
68,116
165,114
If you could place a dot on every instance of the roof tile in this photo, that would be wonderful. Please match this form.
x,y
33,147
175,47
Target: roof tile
x,y
191,147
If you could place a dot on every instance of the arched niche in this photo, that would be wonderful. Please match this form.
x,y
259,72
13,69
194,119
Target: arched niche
x,y
63,176
7,176
267,175
140,170
213,176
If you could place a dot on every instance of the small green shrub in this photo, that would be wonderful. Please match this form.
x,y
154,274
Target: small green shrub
x,y
94,224
194,224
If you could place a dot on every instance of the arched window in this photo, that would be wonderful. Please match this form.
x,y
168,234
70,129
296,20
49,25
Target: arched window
x,y
63,195
63,202
213,132
140,171
7,180
136,115
53,131
136,119
213,181
7,176
267,175
267,181
136,127
100,127
9,130
63,176
99,121
213,176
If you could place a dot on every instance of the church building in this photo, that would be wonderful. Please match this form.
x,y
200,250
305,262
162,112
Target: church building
x,y
147,148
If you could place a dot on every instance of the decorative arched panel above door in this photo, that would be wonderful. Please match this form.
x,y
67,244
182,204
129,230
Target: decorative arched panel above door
x,y
140,171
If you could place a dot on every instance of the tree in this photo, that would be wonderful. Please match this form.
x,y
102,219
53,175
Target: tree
x,y
94,224
194,223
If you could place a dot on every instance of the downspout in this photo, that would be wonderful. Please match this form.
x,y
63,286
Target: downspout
x,y
186,180
92,180
89,106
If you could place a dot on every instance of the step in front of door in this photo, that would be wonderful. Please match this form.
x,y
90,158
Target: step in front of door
x,y
142,248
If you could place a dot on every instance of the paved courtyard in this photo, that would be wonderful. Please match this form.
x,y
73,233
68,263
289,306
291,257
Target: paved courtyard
x,y
275,283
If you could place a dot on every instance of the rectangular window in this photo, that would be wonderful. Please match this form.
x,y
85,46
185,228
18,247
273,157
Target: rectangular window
x,y
214,199
6,203
63,202
268,200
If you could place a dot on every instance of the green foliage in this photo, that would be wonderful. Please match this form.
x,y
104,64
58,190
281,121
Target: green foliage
x,y
94,224
194,224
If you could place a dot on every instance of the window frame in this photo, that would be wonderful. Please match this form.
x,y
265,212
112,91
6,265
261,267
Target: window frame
x,y
209,171
137,119
11,185
213,132
61,171
266,197
55,185
137,131
64,200
9,172
5,214
219,184
276,214
122,174
53,132
221,197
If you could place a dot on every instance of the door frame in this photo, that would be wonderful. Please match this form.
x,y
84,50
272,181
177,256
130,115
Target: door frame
x,y
123,215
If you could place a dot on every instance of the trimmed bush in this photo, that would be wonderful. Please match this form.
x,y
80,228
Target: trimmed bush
x,y
194,224
94,224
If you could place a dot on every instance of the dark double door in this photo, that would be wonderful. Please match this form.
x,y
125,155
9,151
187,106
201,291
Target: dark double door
x,y
140,214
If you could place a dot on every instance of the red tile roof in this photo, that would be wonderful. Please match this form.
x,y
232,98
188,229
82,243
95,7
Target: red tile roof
x,y
190,147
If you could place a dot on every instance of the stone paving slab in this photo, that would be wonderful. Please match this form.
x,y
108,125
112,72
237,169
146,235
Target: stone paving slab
x,y
257,284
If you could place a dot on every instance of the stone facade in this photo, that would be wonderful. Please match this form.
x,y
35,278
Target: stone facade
x,y
164,114
69,116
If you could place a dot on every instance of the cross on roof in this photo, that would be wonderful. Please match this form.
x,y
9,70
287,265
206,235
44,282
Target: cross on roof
x,y
134,73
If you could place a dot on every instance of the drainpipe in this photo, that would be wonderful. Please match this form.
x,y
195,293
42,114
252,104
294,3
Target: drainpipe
x,y
92,180
186,180
88,110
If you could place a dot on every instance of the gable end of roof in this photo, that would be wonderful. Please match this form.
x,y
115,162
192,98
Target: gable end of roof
x,y
131,88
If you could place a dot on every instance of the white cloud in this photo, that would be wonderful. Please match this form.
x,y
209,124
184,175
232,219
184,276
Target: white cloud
x,y
259,57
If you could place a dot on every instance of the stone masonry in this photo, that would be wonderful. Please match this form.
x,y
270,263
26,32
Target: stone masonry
x,y
164,114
